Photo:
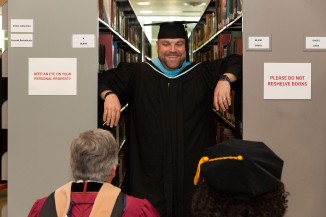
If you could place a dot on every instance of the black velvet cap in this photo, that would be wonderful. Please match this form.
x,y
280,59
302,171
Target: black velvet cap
x,y
175,29
240,168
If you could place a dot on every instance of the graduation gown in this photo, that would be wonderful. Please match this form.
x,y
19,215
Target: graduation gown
x,y
170,122
92,200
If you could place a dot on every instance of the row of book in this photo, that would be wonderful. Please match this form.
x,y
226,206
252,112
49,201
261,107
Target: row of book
x,y
223,132
117,16
227,43
111,54
227,11
229,114
217,35
224,12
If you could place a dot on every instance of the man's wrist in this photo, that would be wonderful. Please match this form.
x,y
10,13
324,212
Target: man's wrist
x,y
225,78
108,93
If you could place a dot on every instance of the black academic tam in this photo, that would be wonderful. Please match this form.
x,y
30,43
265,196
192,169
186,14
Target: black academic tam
x,y
170,122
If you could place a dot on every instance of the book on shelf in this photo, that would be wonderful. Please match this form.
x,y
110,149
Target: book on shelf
x,y
236,42
122,23
115,54
230,43
238,45
104,10
210,25
215,51
100,9
223,133
199,35
222,13
107,12
121,168
210,53
106,40
101,58
223,41
229,115
239,7
227,11
231,10
122,130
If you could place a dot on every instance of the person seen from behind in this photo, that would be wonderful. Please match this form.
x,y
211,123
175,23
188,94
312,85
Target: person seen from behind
x,y
93,162
239,178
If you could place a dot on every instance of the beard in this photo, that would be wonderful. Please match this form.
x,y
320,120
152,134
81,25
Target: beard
x,y
172,61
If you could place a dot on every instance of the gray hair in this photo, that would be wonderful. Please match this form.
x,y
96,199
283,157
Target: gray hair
x,y
93,154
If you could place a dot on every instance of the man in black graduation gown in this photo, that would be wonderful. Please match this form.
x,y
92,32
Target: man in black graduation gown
x,y
170,117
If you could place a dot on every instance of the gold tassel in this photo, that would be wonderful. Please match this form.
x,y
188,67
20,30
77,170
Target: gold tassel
x,y
206,159
201,161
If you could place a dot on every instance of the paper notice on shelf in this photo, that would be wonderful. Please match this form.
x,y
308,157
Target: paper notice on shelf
x,y
287,80
21,40
259,43
22,25
52,76
315,43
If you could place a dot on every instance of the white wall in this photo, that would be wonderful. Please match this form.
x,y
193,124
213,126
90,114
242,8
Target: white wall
x,y
293,128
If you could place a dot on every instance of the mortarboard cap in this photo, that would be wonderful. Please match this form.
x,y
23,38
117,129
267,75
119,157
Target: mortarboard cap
x,y
175,29
240,168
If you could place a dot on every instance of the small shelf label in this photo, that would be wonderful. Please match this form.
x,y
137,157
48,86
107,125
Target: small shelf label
x,y
83,41
315,43
22,25
21,40
259,43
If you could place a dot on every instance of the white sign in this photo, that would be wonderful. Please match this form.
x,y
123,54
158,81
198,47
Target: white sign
x,y
83,41
21,40
21,25
316,43
287,80
259,43
52,76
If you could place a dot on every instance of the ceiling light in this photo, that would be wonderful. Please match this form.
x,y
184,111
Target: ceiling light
x,y
194,4
143,3
146,12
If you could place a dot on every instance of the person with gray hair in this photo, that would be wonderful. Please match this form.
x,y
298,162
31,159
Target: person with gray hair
x,y
93,162
93,154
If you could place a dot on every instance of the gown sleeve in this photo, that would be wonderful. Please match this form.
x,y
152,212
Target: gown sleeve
x,y
118,80
136,207
36,208
234,65
214,69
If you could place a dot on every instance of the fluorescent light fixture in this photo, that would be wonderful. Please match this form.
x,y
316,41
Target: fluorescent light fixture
x,y
143,3
194,4
146,12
